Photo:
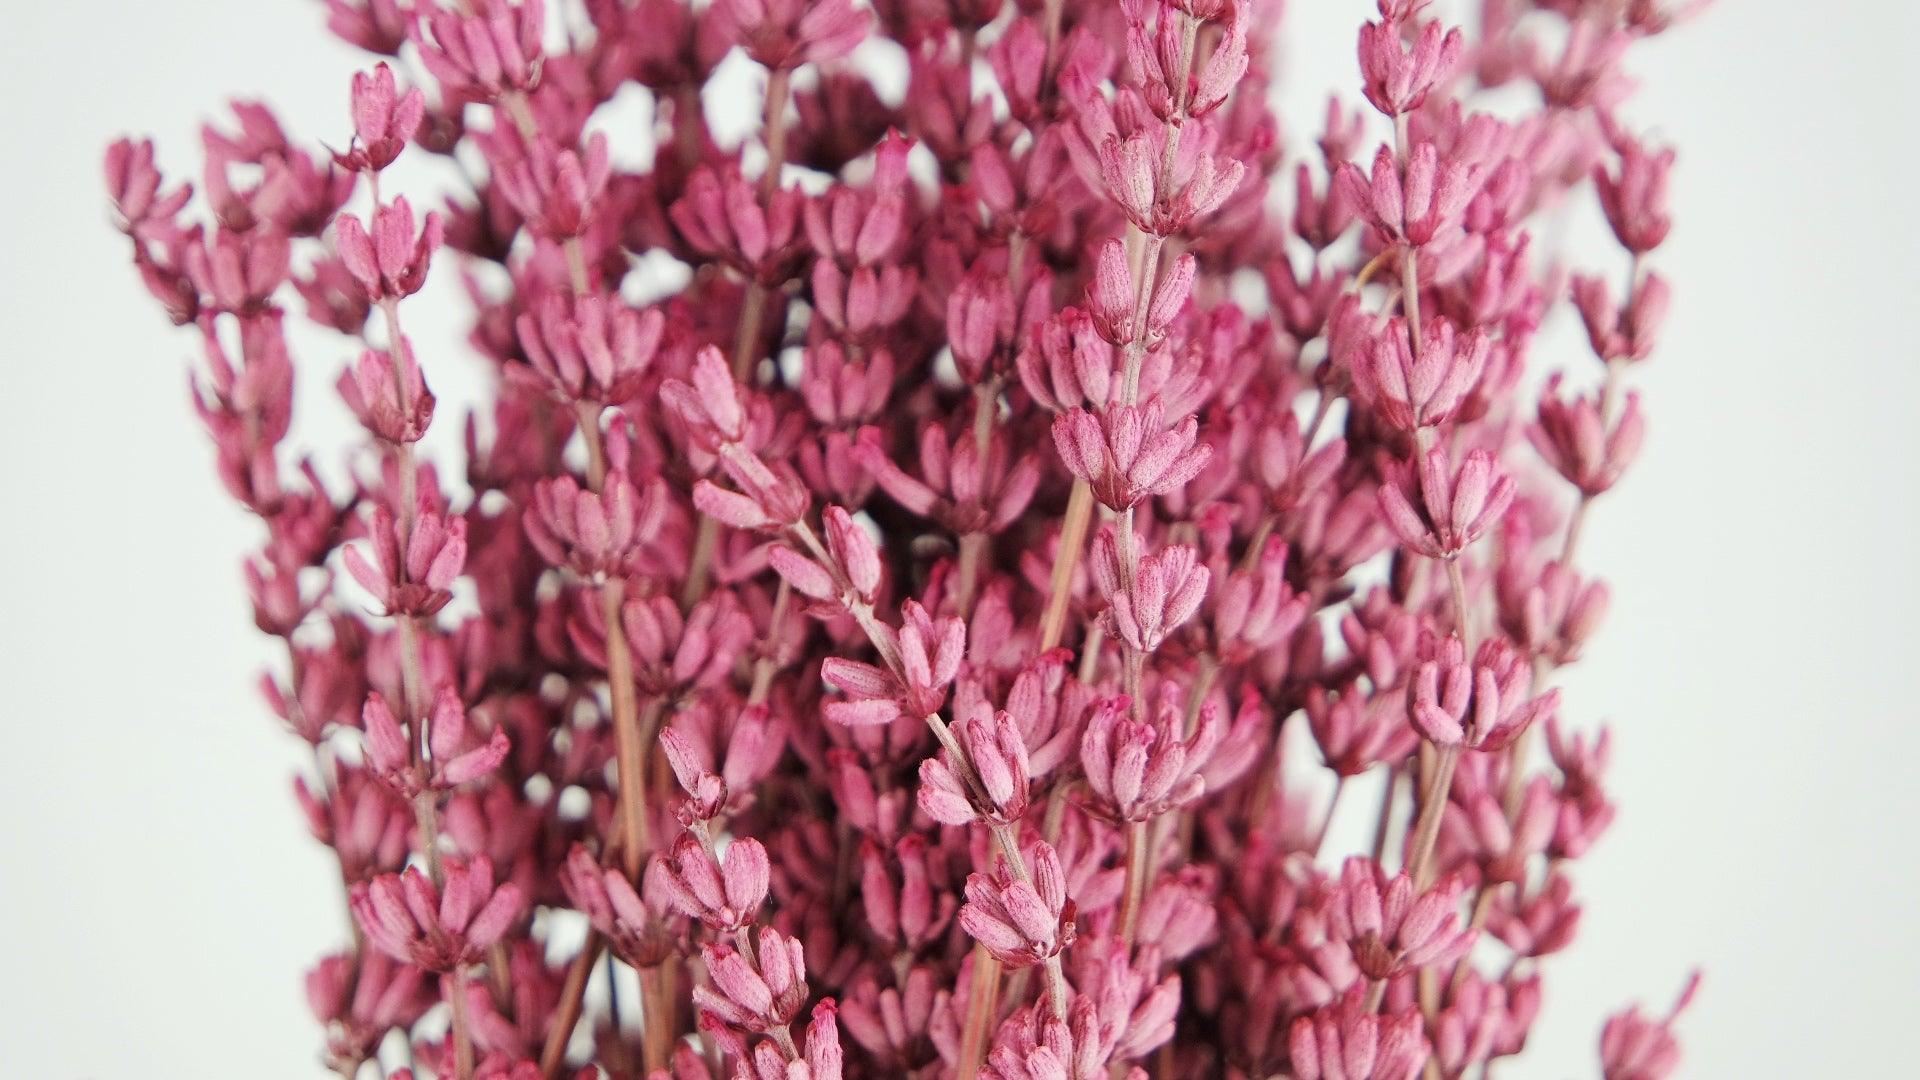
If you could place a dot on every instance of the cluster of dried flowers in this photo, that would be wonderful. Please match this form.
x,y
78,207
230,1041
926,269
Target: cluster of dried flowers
x,y
932,642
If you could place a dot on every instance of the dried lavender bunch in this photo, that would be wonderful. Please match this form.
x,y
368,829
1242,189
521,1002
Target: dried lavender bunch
x,y
886,640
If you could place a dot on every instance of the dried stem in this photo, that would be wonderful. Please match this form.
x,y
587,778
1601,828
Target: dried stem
x,y
1136,888
462,1027
1066,559
566,1015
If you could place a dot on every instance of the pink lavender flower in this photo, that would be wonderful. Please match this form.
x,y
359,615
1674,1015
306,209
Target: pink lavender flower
x,y
1021,921
555,189
442,929
485,50
419,580
1437,511
592,533
996,758
1341,1042
1411,391
1165,591
615,909
755,392
1391,927
1397,80
1127,454
1638,1047
1589,450
1536,923
928,652
1137,770
1552,613
387,392
724,891
1484,705
592,349
755,994
1414,208
1634,197
787,33
459,754
384,120
1355,732
1622,333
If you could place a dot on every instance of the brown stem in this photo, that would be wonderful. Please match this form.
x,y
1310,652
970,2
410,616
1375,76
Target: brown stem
x,y
778,84
1090,653
576,266
1384,821
630,755
1136,890
1073,538
521,114
746,340
1333,803
1433,799
587,414
426,804
764,665
462,1027
659,991
566,1016
973,546
705,542
1203,679
982,1006
1482,907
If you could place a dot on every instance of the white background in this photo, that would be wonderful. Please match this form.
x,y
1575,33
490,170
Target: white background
x,y
159,897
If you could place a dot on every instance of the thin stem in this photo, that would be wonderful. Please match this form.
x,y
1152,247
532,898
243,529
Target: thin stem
x,y
630,755
1384,821
1433,801
587,413
1482,908
426,804
768,660
576,266
778,84
982,1007
1051,19
566,1015
973,546
1376,992
1333,804
705,542
1410,257
462,1027
746,340
1136,890
1136,351
659,994
1066,559
1258,541
1203,680
521,114
1609,406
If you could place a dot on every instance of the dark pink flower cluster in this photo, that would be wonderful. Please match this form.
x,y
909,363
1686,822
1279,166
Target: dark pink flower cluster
x,y
885,640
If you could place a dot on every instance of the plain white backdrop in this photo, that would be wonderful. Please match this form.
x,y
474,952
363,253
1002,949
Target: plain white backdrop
x,y
159,897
